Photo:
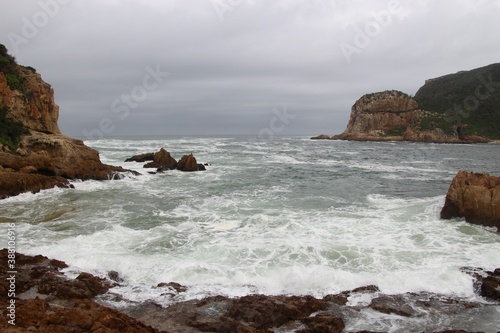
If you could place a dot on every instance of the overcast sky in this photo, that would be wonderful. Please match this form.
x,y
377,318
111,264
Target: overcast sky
x,y
238,66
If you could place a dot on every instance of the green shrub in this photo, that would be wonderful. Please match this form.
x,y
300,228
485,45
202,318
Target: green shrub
x,y
400,131
12,81
10,130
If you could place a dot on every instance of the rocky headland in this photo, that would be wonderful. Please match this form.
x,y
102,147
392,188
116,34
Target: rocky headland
x,y
474,196
46,300
456,108
34,154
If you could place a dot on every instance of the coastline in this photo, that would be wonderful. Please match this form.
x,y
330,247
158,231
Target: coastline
x,y
47,301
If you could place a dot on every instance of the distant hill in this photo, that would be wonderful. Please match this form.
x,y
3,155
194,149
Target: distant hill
x,y
470,98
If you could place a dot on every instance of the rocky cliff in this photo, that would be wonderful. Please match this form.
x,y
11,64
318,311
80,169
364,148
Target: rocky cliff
x,y
34,155
456,108
395,116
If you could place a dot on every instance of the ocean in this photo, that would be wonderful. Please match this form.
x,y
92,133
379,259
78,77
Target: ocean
x,y
283,216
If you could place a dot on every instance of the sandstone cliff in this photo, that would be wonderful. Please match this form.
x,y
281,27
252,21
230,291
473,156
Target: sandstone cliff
x,y
475,197
457,108
395,116
34,154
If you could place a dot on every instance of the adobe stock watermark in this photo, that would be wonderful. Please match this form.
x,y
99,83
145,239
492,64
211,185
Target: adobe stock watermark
x,y
30,27
277,124
471,103
11,274
372,29
122,105
223,6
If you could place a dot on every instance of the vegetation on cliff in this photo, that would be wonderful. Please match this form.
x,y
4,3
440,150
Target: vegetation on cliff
x,y
10,130
10,68
467,98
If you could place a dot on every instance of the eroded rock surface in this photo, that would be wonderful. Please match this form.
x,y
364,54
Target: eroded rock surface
x,y
475,197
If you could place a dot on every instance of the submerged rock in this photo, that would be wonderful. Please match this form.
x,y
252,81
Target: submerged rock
x,y
475,197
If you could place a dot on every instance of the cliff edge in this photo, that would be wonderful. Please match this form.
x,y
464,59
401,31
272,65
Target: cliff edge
x,y
34,154
458,108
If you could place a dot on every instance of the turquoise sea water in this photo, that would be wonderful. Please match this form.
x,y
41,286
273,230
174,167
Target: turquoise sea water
x,y
289,215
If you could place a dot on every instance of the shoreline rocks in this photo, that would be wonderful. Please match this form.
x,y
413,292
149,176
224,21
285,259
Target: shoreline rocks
x,y
474,196
47,301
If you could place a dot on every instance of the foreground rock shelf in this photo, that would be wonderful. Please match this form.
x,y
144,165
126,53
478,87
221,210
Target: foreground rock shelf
x,y
47,301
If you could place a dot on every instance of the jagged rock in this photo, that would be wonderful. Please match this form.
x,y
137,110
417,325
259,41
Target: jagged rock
x,y
321,137
162,160
188,163
141,158
475,197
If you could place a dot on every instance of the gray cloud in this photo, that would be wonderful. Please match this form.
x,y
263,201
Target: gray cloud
x,y
226,76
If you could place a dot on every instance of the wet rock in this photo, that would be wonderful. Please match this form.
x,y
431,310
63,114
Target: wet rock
x,y
49,302
323,323
173,285
187,163
490,286
141,158
475,197
114,276
395,304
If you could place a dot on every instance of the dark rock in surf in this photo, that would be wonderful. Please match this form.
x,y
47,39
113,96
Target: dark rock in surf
x,y
490,286
392,305
141,158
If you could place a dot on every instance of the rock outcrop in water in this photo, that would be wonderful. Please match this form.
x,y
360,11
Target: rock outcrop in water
x,y
163,161
47,301
455,108
395,116
475,197
30,137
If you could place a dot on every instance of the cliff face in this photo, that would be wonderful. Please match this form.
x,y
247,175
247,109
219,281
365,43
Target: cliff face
x,y
391,115
35,108
34,154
